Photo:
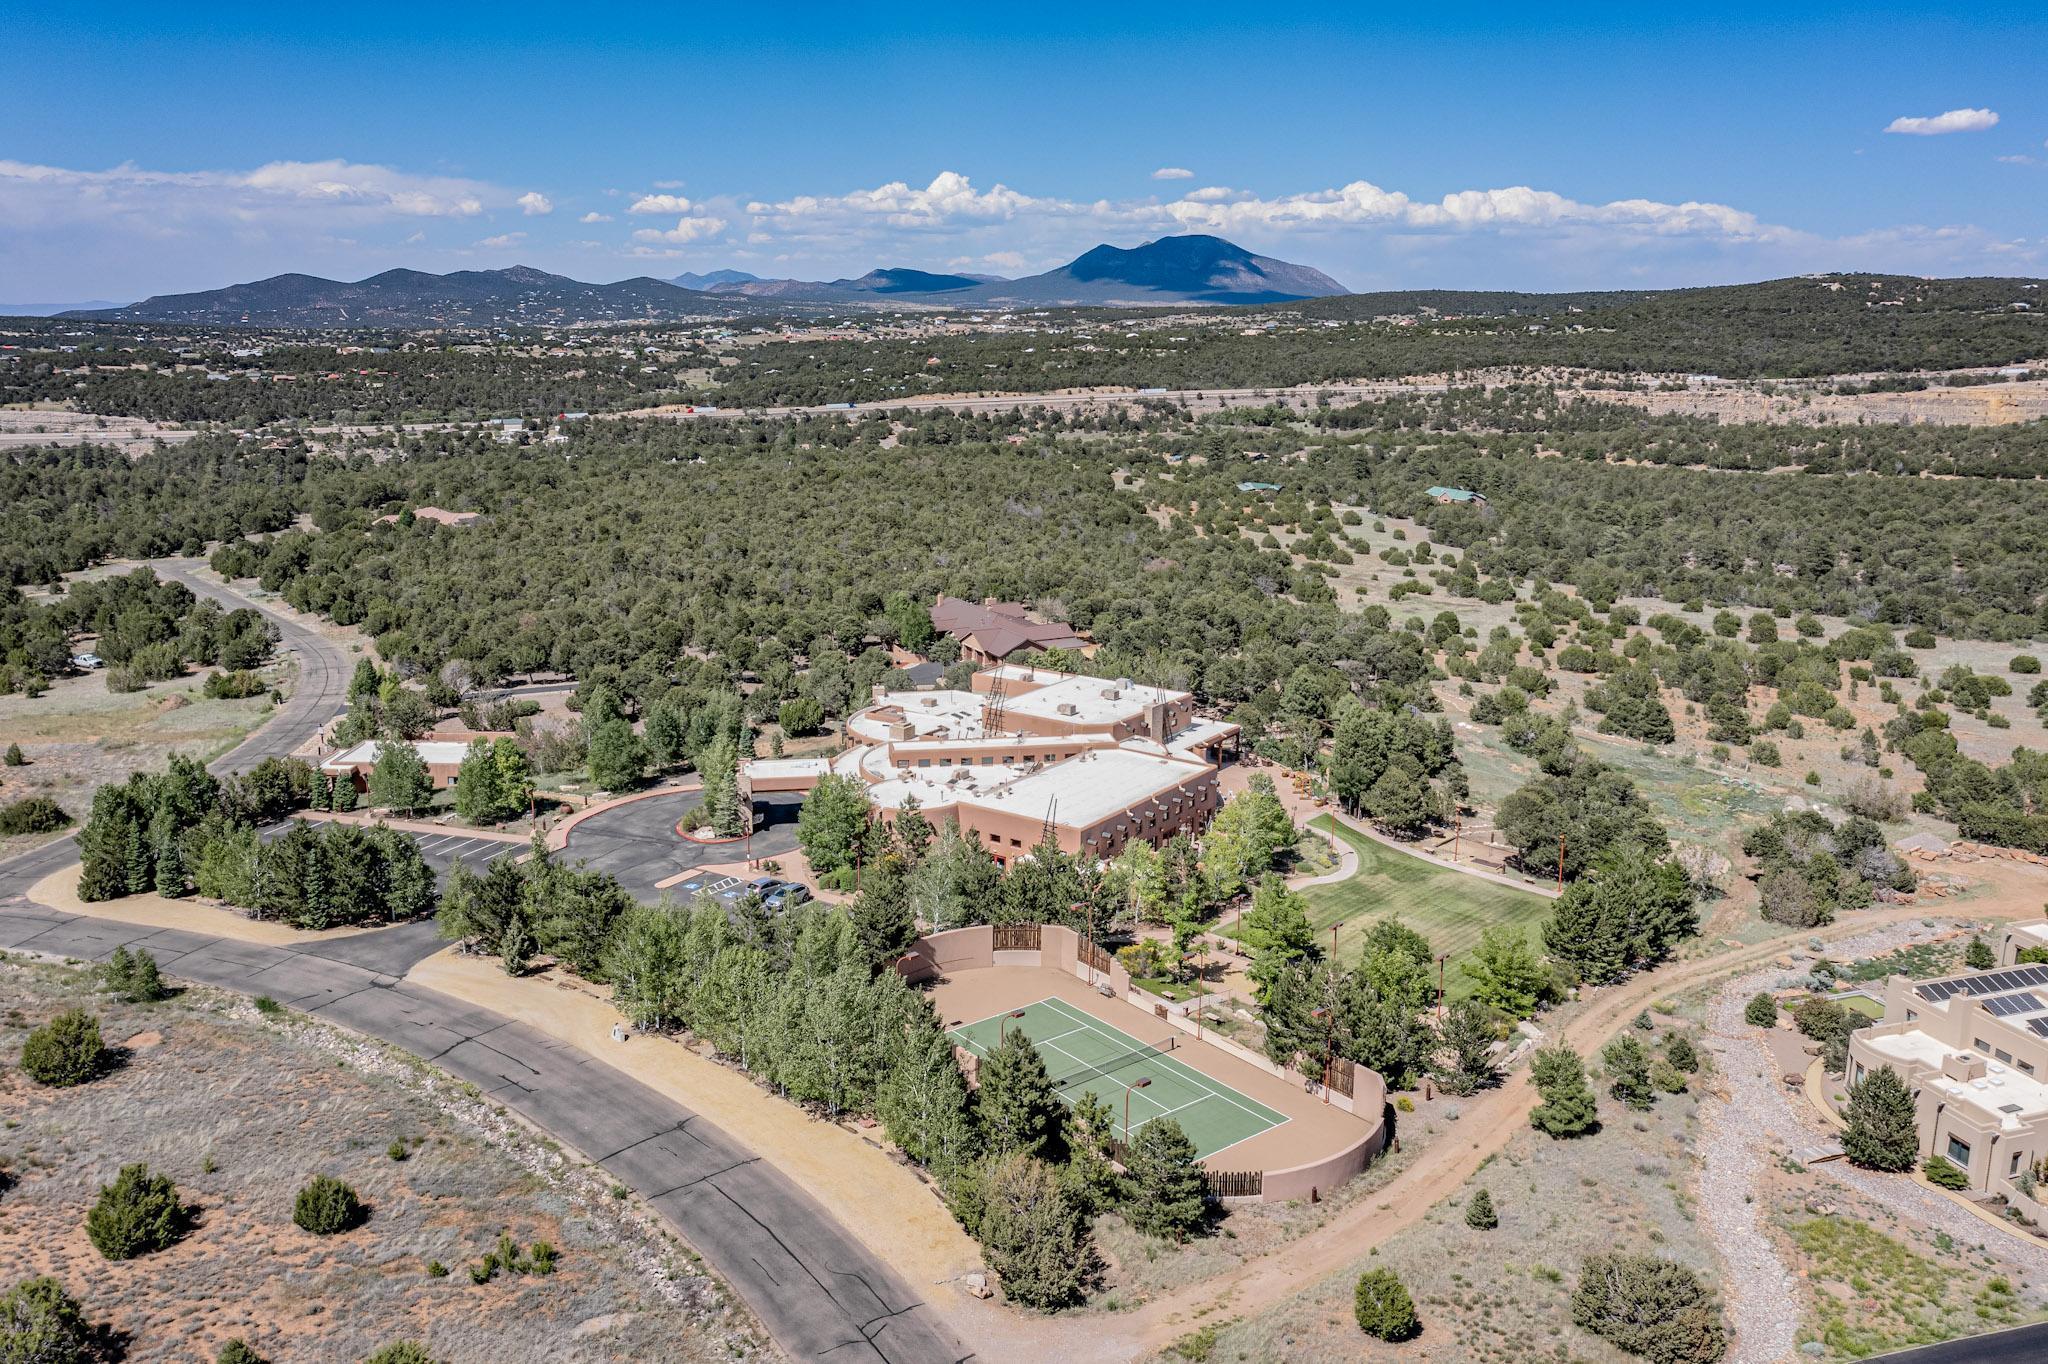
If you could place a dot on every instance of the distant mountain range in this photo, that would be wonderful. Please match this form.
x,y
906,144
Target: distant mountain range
x,y
1190,269
1170,271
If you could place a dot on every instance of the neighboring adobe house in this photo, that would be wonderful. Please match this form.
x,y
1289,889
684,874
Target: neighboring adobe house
x,y
442,757
1973,1051
1096,762
993,630
438,515
1466,495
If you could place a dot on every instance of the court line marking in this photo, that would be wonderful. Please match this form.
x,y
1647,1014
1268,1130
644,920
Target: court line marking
x,y
1203,1081
1109,1032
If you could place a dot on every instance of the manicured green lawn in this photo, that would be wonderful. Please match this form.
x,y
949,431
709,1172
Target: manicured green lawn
x,y
1449,908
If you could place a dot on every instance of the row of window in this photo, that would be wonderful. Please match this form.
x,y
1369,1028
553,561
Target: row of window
x,y
2025,1067
986,760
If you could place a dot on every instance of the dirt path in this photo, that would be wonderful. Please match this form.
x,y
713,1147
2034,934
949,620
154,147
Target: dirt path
x,y
1491,1120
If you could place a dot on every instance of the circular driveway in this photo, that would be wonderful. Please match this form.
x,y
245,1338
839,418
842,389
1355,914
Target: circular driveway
x,y
638,843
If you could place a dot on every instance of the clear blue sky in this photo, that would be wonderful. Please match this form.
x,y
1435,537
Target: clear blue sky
x,y
155,148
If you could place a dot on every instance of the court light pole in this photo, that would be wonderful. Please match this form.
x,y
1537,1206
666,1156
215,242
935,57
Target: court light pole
x,y
1003,1028
1139,1084
1441,958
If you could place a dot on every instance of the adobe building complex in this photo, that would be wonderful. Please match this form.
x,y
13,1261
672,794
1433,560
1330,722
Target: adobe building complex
x,y
1091,762
1973,1051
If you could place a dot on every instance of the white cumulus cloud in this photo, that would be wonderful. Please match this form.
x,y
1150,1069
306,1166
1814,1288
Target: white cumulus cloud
x,y
502,240
1954,121
1173,173
686,230
660,203
534,204
595,217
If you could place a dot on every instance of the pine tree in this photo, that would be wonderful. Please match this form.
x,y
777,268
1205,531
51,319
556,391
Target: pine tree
x,y
1978,955
1628,1072
103,845
1653,1308
136,1214
1383,1307
1033,1233
1019,1110
1581,934
1568,1108
1464,1058
1761,1011
41,1324
1167,1194
167,853
1479,1212
1882,1134
146,982
1681,1053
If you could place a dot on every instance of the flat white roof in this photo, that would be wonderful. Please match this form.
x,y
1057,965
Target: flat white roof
x,y
1199,733
1087,788
788,767
2003,1096
437,751
1096,700
955,713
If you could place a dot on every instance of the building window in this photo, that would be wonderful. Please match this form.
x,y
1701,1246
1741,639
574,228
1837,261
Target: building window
x,y
2015,1163
1980,1044
2026,1067
1959,1151
924,762
1912,1014
2003,1055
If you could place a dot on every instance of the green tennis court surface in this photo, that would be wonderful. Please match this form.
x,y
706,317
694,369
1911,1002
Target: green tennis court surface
x,y
1085,1054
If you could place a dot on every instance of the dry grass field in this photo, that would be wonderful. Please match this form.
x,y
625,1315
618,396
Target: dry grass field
x,y
79,736
240,1111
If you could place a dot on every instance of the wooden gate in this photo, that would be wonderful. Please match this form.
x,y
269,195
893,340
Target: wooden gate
x,y
1018,937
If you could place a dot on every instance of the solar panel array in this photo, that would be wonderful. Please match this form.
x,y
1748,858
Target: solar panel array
x,y
2038,1026
2005,1006
1986,983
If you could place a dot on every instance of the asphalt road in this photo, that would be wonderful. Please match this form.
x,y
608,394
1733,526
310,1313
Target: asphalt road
x,y
817,1290
814,1287
638,842
2021,1345
319,694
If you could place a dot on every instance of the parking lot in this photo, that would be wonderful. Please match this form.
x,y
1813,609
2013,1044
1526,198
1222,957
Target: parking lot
x,y
441,851
638,843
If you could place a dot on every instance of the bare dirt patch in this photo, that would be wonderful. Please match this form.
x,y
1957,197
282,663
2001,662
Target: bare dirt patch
x,y
240,1112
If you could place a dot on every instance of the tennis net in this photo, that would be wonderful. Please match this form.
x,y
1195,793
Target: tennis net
x,y
1128,1058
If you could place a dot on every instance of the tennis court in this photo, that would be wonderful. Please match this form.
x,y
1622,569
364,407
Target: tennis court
x,y
1084,1054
